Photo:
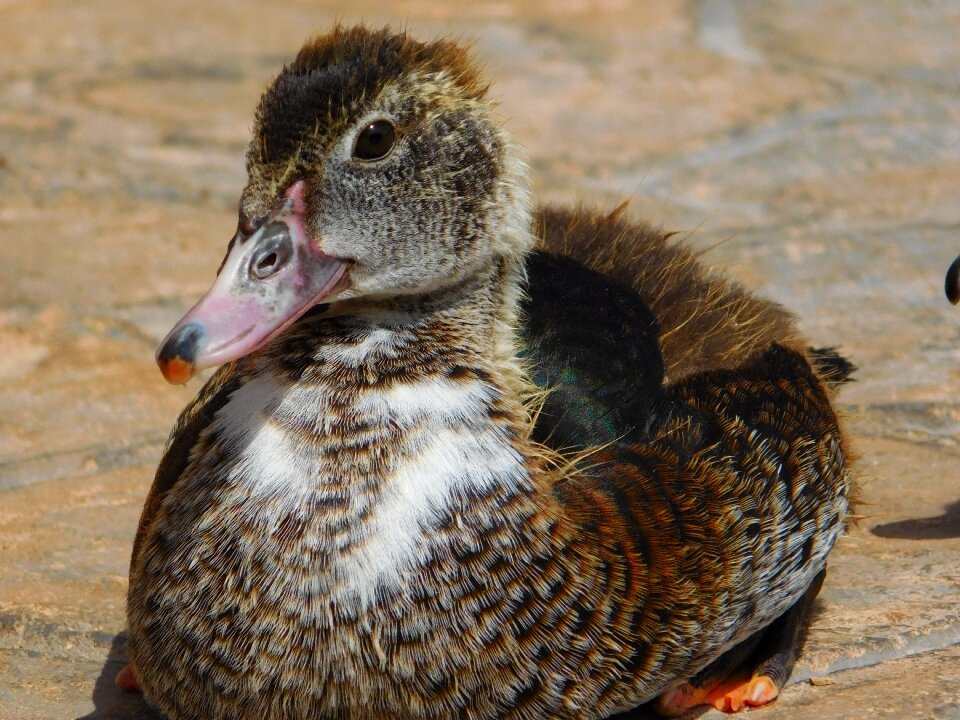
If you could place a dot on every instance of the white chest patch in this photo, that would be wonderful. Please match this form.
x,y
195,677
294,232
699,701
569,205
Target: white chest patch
x,y
397,538
268,462
449,448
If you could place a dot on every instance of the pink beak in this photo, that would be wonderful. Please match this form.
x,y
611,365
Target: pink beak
x,y
267,281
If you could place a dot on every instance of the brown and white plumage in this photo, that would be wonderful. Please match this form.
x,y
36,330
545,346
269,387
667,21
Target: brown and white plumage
x,y
363,518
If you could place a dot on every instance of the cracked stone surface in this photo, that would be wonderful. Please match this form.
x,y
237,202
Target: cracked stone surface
x,y
811,148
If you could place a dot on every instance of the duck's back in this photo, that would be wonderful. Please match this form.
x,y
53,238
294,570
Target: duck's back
x,y
706,321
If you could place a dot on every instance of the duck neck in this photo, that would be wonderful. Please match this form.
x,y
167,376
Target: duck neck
x,y
470,324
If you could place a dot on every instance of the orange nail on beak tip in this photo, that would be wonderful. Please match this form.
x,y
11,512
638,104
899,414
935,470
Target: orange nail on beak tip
x,y
176,371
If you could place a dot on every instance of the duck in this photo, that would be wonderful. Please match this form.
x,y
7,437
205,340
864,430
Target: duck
x,y
951,283
463,457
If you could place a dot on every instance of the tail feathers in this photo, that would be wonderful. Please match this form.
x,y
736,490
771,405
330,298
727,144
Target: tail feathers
x,y
830,365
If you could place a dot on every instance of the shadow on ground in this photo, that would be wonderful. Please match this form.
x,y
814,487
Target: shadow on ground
x,y
109,701
940,527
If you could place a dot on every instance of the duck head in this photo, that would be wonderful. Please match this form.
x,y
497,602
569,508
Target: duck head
x,y
375,172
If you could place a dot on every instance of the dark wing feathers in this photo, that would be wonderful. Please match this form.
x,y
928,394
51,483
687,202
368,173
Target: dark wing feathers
x,y
616,312
831,366
592,344
707,322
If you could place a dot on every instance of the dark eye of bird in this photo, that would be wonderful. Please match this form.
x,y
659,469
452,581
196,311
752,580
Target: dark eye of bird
x,y
374,141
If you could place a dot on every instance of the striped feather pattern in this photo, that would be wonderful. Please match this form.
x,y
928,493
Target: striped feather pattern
x,y
334,550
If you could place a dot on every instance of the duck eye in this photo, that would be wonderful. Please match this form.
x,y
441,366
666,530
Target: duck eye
x,y
374,141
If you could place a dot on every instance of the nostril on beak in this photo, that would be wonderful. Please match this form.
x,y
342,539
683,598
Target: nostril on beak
x,y
265,265
273,252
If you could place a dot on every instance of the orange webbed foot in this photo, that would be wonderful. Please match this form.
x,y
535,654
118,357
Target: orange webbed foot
x,y
127,679
729,696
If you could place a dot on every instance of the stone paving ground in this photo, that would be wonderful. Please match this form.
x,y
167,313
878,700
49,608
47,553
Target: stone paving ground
x,y
812,148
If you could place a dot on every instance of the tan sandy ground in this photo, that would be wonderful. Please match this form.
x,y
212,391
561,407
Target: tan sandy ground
x,y
813,148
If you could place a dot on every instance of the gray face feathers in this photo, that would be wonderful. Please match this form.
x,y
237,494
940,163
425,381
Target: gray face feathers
x,y
446,195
